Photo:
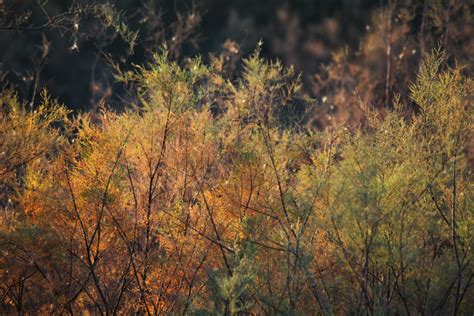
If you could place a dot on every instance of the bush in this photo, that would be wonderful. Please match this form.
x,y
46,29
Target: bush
x,y
164,209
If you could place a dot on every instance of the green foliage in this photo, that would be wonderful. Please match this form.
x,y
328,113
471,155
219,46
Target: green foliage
x,y
266,92
231,294
167,86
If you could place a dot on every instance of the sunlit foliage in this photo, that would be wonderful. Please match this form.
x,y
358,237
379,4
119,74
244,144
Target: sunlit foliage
x,y
211,198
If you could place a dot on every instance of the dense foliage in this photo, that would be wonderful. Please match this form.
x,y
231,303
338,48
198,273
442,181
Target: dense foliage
x,y
214,192
209,199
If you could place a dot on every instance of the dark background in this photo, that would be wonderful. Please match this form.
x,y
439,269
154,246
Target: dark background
x,y
302,33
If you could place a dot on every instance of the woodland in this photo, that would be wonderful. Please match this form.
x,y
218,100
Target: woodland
x,y
288,158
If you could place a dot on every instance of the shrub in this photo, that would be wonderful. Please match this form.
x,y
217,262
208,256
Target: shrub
x,y
164,209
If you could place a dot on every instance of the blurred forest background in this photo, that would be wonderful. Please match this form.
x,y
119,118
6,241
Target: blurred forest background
x,y
367,43
301,33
